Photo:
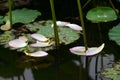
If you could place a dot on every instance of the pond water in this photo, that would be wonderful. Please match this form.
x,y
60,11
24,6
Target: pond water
x,y
62,65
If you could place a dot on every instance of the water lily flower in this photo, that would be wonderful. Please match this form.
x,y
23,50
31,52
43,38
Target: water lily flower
x,y
80,50
74,27
39,37
40,44
36,54
17,43
6,26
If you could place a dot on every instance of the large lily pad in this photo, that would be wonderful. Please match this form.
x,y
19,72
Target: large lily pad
x,y
23,15
101,14
114,34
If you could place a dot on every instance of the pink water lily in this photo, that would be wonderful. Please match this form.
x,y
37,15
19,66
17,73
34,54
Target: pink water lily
x,y
39,37
36,54
68,24
75,27
80,50
17,43
40,44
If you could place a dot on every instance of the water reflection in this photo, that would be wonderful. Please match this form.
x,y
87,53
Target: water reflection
x,y
16,66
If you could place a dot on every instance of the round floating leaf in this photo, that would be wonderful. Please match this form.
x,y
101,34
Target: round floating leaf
x,y
114,34
101,14
66,34
23,15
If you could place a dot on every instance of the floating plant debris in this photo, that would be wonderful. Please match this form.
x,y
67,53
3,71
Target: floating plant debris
x,y
80,50
40,38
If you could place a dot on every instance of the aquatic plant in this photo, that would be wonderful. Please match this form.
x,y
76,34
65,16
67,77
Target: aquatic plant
x,y
114,34
39,37
101,14
113,72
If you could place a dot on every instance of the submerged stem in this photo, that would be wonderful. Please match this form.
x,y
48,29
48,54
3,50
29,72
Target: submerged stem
x,y
55,25
82,23
10,12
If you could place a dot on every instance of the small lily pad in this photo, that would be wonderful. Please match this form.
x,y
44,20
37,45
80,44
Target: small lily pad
x,y
114,34
23,15
101,14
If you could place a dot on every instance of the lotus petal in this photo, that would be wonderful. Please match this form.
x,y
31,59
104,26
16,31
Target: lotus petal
x,y
74,27
6,26
17,43
37,54
61,23
80,50
40,44
39,37
23,38
94,50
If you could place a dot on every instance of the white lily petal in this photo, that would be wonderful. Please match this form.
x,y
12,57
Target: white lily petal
x,y
5,26
37,54
40,44
17,43
39,37
80,50
60,23
23,38
74,27
94,50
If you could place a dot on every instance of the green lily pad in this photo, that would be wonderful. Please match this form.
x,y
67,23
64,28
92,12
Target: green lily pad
x,y
101,14
1,19
66,34
114,34
23,15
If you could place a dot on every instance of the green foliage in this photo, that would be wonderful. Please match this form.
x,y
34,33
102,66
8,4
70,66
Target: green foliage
x,y
1,19
114,34
6,37
23,15
113,73
66,34
101,14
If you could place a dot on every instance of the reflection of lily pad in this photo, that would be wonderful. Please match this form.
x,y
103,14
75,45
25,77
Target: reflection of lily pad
x,y
114,34
101,14
23,15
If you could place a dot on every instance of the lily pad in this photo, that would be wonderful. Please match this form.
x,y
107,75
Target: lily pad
x,y
101,14
23,15
66,34
114,34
